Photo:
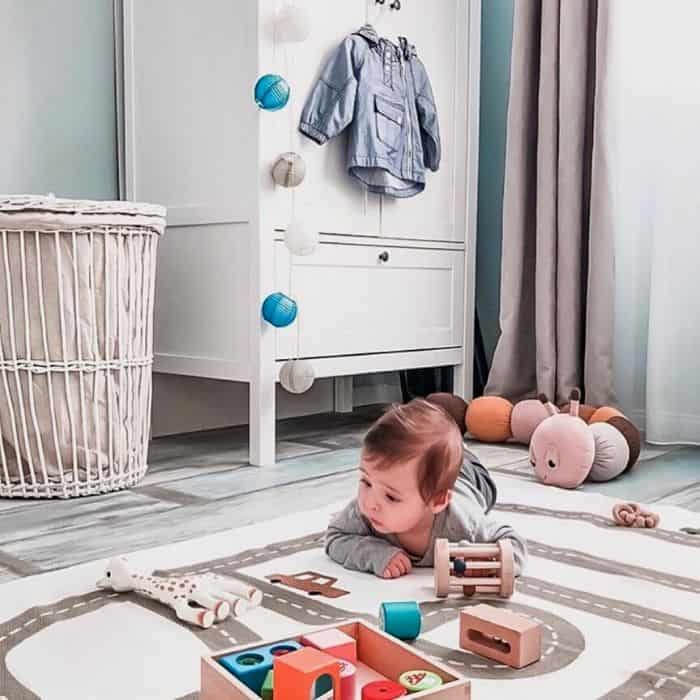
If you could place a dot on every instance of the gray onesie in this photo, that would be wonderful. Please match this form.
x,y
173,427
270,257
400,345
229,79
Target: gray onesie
x,y
352,542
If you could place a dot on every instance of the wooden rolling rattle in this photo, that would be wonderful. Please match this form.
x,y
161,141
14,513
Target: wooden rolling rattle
x,y
481,569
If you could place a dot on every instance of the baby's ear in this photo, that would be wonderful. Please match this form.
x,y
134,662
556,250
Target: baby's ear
x,y
440,501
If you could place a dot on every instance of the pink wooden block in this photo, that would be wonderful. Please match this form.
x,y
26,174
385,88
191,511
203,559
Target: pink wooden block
x,y
333,642
501,635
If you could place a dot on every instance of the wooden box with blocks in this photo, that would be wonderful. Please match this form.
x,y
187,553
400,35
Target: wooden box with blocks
x,y
379,658
501,635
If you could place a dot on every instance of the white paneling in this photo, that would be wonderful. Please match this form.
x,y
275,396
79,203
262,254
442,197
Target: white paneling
x,y
351,302
328,198
436,29
189,68
202,297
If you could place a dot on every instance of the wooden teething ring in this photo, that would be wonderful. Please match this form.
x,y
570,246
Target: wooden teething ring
x,y
633,515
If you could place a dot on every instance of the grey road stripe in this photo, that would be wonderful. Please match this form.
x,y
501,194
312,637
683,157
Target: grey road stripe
x,y
671,678
574,557
612,609
600,521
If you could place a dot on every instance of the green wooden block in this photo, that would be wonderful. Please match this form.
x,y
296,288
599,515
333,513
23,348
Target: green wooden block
x,y
266,692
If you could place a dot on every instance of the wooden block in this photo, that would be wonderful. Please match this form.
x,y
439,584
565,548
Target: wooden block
x,y
296,674
501,635
268,687
333,642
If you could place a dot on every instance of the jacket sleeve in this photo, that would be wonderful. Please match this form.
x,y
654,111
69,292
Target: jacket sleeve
x,y
331,105
350,543
490,530
428,120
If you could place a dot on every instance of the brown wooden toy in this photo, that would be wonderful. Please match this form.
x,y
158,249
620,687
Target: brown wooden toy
x,y
310,582
476,569
379,656
501,635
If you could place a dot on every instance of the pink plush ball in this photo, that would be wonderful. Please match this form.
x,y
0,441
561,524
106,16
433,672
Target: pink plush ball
x,y
526,416
562,450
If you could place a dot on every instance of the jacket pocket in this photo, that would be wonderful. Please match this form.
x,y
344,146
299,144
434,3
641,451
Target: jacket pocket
x,y
389,117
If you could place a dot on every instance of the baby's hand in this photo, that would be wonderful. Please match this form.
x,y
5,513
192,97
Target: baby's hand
x,y
400,565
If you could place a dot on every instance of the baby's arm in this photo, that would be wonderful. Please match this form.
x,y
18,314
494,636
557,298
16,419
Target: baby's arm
x,y
490,530
350,542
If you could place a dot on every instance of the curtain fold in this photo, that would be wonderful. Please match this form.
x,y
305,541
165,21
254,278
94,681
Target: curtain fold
x,y
557,272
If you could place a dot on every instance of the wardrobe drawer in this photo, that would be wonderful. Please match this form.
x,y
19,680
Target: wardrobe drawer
x,y
359,299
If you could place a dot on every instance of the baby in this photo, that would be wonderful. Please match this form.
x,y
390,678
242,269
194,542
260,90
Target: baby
x,y
417,483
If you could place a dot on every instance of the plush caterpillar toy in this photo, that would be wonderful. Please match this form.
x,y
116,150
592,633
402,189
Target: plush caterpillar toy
x,y
567,445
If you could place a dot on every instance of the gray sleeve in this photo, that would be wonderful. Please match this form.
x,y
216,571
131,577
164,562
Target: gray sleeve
x,y
490,530
330,106
428,119
478,476
350,542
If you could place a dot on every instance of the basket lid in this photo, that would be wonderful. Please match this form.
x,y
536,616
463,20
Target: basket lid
x,y
26,211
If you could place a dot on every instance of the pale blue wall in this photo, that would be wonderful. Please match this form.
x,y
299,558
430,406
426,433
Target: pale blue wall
x,y
496,35
57,101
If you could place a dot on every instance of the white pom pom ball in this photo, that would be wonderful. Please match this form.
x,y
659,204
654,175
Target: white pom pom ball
x,y
289,170
300,238
297,376
293,24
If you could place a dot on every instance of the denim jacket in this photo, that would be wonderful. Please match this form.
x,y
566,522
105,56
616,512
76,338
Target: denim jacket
x,y
382,92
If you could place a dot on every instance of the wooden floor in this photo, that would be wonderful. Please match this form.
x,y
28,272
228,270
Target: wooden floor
x,y
202,483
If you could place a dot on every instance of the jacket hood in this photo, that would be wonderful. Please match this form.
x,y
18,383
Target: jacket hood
x,y
369,33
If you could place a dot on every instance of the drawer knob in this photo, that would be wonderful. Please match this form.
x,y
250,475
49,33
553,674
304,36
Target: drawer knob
x,y
384,255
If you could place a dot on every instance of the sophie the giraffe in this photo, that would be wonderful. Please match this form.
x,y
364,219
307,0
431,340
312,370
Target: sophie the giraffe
x,y
198,599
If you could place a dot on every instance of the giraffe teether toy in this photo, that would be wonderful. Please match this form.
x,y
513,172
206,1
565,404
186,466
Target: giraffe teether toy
x,y
198,599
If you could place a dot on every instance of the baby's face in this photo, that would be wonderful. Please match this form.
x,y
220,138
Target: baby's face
x,y
389,498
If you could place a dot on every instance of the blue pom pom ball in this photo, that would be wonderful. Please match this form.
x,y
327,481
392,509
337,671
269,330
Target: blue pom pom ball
x,y
271,92
279,310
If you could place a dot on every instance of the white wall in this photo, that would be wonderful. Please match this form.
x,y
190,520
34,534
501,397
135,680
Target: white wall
x,y
57,102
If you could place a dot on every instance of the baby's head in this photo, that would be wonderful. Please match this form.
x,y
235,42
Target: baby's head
x,y
410,461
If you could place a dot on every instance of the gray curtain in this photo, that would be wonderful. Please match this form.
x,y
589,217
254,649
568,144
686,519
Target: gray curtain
x,y
557,266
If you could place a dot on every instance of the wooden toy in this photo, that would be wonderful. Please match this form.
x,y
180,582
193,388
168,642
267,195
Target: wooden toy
x,y
267,690
348,676
379,657
483,569
400,620
633,515
310,582
200,600
333,642
300,674
418,680
251,667
383,690
501,635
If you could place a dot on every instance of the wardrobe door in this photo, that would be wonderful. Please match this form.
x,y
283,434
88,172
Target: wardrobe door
x,y
328,199
439,31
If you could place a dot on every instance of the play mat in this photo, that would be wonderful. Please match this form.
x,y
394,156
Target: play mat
x,y
620,609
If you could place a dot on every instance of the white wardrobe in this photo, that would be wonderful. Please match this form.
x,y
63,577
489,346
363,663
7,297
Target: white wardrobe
x,y
390,286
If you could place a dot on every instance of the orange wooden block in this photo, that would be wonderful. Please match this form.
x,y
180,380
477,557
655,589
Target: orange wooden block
x,y
296,673
501,635
333,642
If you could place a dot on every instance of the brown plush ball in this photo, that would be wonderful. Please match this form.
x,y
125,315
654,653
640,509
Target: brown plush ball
x,y
455,405
488,418
604,414
585,411
631,434
526,416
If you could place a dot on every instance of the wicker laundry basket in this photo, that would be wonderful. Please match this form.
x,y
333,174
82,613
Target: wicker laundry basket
x,y
76,338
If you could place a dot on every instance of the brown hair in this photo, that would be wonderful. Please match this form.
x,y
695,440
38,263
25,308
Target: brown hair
x,y
418,429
